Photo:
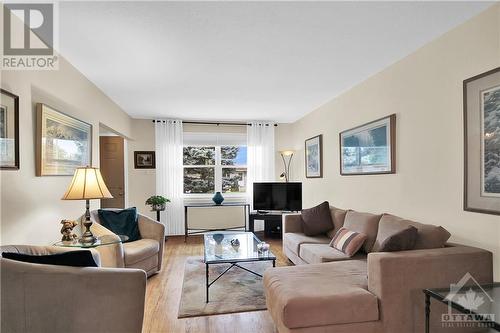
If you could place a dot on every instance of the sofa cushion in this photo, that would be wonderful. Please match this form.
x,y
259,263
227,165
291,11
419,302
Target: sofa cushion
x,y
292,241
317,220
347,241
365,223
403,240
318,253
338,217
322,294
140,250
121,222
429,236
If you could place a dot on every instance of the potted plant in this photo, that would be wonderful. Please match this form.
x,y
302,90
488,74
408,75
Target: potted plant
x,y
157,202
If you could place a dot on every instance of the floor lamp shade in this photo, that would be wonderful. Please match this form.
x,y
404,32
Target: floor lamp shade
x,y
87,184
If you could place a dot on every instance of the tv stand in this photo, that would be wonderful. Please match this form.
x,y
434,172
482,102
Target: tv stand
x,y
272,223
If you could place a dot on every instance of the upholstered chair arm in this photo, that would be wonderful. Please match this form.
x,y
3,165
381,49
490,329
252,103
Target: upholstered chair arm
x,y
48,298
292,223
152,229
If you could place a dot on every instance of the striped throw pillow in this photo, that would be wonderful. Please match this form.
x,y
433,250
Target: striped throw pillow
x,y
348,242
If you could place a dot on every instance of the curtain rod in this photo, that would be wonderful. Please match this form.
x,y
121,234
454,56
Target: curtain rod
x,y
213,123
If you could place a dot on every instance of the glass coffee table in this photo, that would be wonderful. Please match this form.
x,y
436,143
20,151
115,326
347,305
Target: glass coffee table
x,y
220,250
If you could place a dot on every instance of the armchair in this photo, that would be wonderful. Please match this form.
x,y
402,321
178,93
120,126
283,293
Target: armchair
x,y
50,298
145,253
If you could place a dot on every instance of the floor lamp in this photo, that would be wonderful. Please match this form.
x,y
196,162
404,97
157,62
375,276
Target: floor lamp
x,y
284,154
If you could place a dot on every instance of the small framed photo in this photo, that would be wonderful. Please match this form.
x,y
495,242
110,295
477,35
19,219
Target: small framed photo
x,y
314,157
144,159
370,148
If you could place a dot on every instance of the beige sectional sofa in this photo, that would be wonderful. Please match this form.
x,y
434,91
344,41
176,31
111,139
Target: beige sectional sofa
x,y
375,292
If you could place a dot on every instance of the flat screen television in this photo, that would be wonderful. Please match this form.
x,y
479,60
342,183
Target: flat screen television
x,y
277,196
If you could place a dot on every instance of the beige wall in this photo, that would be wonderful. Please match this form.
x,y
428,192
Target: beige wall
x,y
31,207
142,182
425,91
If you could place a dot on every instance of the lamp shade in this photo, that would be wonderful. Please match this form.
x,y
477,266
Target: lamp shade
x,y
286,152
87,183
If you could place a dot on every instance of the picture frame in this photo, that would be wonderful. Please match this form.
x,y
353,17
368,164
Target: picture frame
x,y
9,131
481,99
145,159
63,143
369,149
313,150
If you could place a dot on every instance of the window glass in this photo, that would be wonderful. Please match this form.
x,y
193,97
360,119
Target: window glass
x,y
199,155
234,180
199,180
233,155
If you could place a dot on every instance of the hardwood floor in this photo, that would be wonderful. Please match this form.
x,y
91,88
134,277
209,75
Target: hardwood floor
x,y
164,292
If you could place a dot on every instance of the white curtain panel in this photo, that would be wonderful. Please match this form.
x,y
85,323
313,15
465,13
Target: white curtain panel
x,y
260,155
169,173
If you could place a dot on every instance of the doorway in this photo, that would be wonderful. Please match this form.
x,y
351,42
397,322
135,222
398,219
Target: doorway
x,y
112,164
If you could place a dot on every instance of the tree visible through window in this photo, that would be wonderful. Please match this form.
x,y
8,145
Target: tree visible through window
x,y
208,169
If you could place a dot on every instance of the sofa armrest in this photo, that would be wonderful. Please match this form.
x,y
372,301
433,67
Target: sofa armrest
x,y
292,223
71,299
398,278
152,229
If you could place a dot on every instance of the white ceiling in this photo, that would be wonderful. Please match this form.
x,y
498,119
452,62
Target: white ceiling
x,y
243,60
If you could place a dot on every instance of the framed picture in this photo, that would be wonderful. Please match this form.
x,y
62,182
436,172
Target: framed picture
x,y
370,148
63,143
314,157
482,143
9,131
144,159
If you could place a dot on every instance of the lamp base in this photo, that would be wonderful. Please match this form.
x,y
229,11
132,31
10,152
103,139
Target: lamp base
x,y
87,237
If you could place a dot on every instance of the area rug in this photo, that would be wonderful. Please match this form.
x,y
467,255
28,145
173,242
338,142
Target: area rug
x,y
235,291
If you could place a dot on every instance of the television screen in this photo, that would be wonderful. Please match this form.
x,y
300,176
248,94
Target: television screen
x,y
277,196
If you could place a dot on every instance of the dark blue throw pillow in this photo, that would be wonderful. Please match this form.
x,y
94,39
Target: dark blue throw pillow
x,y
71,258
121,222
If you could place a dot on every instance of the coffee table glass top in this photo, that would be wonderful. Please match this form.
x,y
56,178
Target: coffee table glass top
x,y
218,248
101,240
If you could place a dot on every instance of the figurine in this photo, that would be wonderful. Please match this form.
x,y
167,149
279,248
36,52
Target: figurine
x,y
67,230
235,242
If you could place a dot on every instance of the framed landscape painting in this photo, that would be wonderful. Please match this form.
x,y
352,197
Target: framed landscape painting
x,y
369,149
314,157
482,143
144,159
9,131
64,143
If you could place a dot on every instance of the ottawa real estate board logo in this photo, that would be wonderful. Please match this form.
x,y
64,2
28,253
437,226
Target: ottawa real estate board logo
x,y
29,36
470,296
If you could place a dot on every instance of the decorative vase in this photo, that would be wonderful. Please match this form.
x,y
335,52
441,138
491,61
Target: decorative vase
x,y
218,238
218,198
158,207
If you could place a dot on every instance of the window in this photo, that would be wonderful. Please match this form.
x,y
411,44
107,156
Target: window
x,y
208,169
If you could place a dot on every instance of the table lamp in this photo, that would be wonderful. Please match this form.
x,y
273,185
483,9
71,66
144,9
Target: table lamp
x,y
87,184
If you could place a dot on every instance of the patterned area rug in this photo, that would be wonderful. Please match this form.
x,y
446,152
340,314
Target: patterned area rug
x,y
235,291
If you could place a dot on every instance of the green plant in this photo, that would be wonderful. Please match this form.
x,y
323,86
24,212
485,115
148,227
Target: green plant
x,y
156,200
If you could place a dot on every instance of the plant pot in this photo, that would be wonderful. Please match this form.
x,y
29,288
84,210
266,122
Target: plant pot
x,y
158,207
218,198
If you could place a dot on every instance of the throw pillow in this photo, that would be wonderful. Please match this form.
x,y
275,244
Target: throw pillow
x,y
403,240
317,220
121,222
365,223
347,241
81,258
